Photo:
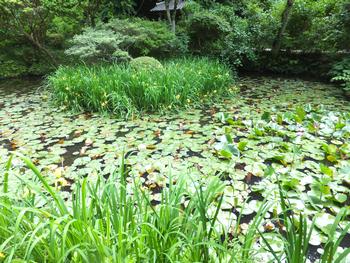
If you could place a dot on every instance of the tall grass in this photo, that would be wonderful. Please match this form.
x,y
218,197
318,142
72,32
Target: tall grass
x,y
297,233
108,222
112,221
121,90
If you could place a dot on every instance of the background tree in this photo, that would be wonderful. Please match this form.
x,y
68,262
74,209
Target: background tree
x,y
28,19
276,45
171,16
31,20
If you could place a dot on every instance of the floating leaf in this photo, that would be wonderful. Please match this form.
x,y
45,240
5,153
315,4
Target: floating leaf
x,y
326,170
242,145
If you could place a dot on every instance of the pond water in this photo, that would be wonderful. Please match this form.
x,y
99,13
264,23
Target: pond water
x,y
68,146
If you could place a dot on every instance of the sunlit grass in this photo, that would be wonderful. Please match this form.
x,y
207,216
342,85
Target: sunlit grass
x,y
115,221
110,221
122,90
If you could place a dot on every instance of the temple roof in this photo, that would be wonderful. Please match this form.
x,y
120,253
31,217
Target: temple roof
x,y
161,6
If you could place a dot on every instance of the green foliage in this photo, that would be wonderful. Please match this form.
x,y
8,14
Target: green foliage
x,y
218,32
312,26
17,60
341,73
98,45
117,39
317,26
123,91
33,32
11,68
146,63
103,222
313,65
206,30
298,232
232,31
147,38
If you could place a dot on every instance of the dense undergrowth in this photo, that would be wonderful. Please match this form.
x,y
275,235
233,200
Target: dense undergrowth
x,y
113,221
341,74
124,90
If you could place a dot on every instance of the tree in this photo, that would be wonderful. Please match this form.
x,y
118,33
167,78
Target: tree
x,y
276,45
171,16
91,9
31,19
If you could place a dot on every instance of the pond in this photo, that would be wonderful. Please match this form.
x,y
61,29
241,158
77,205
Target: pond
x,y
67,146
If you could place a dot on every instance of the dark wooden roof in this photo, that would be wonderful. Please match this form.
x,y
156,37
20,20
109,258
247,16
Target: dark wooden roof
x,y
161,6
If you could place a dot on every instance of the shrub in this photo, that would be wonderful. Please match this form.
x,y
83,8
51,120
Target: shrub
x,y
341,74
114,41
11,68
147,63
219,33
94,45
206,30
122,90
147,38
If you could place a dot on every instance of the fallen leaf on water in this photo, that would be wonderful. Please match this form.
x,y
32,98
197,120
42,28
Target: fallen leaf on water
x,y
211,141
151,147
269,227
157,133
189,132
248,177
96,156
14,144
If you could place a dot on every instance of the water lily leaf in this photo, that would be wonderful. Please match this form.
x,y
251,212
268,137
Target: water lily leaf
x,y
266,116
326,170
229,150
324,222
242,145
341,198
277,159
299,114
275,241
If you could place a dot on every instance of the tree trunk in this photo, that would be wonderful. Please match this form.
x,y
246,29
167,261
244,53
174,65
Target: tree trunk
x,y
92,20
173,24
42,49
168,14
276,45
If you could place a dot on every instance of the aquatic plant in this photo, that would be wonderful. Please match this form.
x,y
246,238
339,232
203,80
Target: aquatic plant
x,y
113,221
307,147
121,90
296,231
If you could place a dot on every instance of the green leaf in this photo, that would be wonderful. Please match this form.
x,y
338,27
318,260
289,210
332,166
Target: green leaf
x,y
341,198
279,118
300,114
266,116
326,170
242,145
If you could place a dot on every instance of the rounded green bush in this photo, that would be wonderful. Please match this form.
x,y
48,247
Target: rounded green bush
x,y
147,63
